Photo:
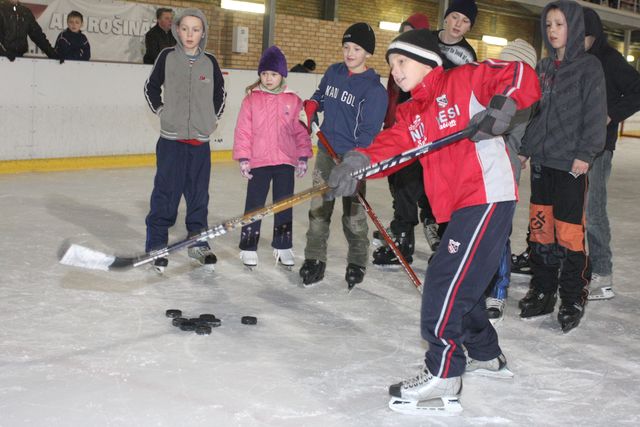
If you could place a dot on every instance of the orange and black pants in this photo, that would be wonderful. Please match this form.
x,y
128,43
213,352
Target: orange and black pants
x,y
557,224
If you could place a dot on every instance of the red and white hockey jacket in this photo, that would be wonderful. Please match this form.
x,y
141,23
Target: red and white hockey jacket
x,y
465,173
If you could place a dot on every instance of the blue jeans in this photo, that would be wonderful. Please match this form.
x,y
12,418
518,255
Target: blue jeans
x,y
598,230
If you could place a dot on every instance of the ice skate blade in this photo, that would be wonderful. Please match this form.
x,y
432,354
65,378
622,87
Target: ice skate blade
x,y
286,267
311,285
503,373
536,317
387,267
602,294
250,267
207,267
443,406
159,270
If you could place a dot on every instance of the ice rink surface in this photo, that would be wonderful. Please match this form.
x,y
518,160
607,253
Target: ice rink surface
x,y
92,348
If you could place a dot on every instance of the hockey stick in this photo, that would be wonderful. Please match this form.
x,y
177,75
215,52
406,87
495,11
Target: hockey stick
x,y
374,218
80,256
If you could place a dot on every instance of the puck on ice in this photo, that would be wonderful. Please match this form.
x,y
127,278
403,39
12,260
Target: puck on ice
x,y
178,320
249,320
173,313
203,329
188,325
208,317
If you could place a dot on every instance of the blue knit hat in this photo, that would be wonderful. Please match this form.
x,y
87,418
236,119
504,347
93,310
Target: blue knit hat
x,y
273,60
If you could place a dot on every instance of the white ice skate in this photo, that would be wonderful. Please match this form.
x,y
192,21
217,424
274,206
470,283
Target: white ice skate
x,y
601,287
495,368
249,259
425,394
285,258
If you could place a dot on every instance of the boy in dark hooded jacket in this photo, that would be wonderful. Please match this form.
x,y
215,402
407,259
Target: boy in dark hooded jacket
x,y
562,139
623,100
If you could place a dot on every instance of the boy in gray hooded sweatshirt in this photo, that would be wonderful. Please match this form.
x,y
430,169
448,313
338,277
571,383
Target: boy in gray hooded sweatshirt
x,y
567,131
186,90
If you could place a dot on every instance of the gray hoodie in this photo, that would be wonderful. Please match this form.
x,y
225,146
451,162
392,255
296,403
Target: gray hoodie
x,y
570,120
186,92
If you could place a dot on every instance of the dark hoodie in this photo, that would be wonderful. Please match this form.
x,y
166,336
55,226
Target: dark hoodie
x,y
187,92
570,121
622,80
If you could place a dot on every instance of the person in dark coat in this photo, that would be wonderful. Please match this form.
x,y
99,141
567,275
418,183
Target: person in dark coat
x,y
72,43
16,23
307,66
622,83
159,36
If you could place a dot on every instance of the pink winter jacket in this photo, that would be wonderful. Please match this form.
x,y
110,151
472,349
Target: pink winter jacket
x,y
268,132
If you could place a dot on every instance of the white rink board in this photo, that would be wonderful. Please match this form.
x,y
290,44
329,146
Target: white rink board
x,y
76,109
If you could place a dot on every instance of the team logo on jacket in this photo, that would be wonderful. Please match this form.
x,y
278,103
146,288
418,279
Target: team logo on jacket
x,y
416,130
447,117
442,101
204,78
453,246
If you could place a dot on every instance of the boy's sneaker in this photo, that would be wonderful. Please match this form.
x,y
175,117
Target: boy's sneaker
x,y
536,303
496,367
249,259
284,257
160,264
426,394
203,256
431,234
495,309
601,287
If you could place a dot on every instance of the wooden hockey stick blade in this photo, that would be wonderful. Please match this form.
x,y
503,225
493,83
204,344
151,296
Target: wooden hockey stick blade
x,y
80,256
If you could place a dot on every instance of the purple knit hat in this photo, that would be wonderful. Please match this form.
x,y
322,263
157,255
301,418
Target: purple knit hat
x,y
273,60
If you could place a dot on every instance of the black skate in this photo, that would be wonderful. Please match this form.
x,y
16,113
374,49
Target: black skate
x,y
354,275
203,255
520,263
537,303
160,264
405,244
312,271
569,315
378,240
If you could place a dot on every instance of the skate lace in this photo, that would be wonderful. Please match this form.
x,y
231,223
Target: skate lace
x,y
494,303
418,380
431,232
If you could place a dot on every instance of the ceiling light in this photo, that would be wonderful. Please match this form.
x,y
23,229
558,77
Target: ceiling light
x,y
390,26
242,6
498,41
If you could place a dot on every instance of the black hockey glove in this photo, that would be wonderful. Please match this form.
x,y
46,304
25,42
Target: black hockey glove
x,y
340,180
495,120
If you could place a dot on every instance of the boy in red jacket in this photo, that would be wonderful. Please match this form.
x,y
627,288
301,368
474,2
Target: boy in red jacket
x,y
471,184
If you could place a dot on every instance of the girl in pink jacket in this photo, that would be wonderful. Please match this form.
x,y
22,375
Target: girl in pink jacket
x,y
271,145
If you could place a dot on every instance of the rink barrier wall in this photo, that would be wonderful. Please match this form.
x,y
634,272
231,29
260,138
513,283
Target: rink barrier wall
x,y
80,115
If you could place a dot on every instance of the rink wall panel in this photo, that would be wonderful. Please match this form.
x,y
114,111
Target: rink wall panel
x,y
92,109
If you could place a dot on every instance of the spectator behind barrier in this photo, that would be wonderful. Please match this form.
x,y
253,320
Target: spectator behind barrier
x,y
159,36
16,23
72,43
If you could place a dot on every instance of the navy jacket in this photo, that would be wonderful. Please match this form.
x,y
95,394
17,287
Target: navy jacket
x,y
74,46
354,107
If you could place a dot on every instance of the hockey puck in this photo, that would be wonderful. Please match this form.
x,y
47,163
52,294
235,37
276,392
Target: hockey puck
x,y
173,313
249,320
178,320
208,317
203,329
188,325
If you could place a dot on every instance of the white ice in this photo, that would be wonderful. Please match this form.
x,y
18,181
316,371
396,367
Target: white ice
x,y
93,348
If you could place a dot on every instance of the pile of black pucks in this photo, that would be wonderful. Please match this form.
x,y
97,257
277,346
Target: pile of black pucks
x,y
201,325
